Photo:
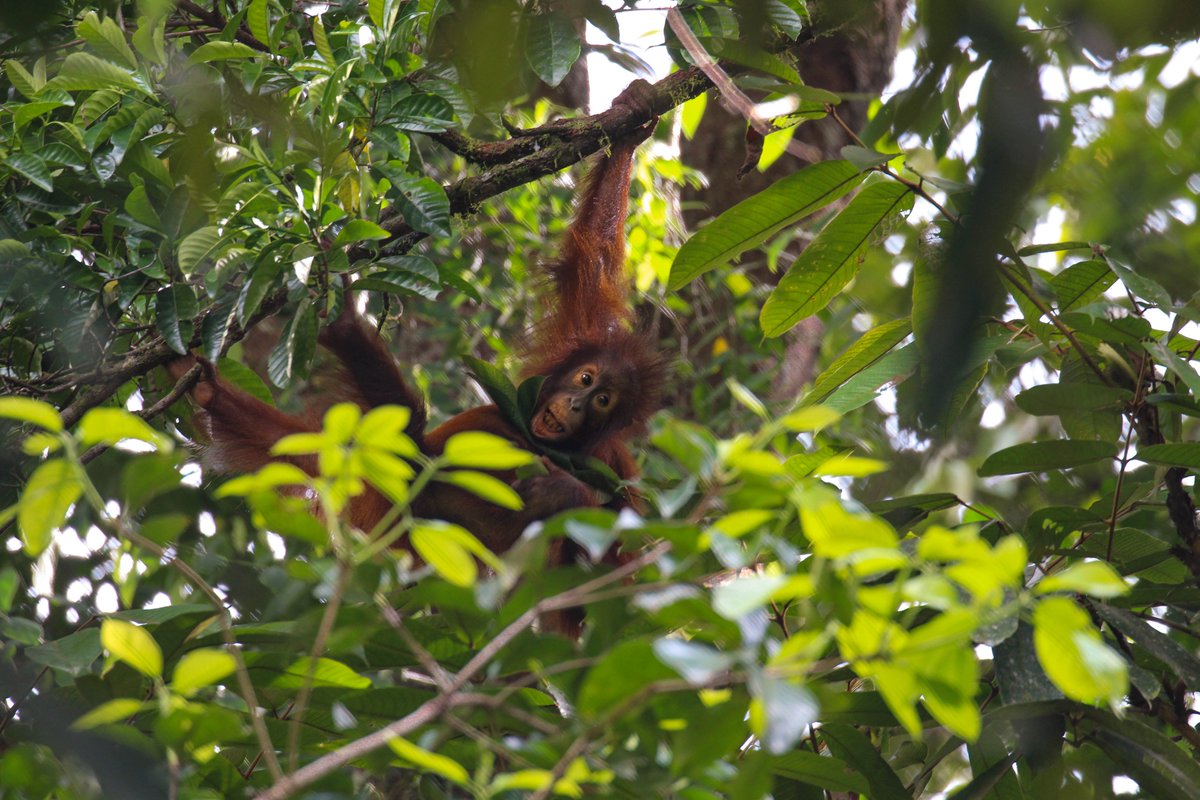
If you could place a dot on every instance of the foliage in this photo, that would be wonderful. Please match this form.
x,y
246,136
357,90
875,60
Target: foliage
x,y
848,593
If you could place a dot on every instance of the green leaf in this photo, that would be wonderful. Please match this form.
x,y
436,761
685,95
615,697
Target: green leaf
x,y
734,599
623,671
358,230
483,485
245,379
108,426
425,761
1180,366
25,114
138,206
133,645
9,583
293,354
1053,399
836,533
107,39
1045,456
739,52
1185,455
754,220
482,450
174,308
215,327
1161,646
222,51
321,41
197,247
448,557
33,168
785,709
375,10
865,158
73,654
150,37
552,46
870,347
423,113
949,679
1081,283
84,72
893,368
1055,247
827,772
1161,767
117,710
200,668
852,747
325,672
1142,286
423,202
22,79
51,490
831,260
738,523
35,412
498,387
1094,578
696,663
258,20
407,274
1073,654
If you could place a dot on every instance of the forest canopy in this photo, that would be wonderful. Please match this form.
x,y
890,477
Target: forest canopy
x,y
916,518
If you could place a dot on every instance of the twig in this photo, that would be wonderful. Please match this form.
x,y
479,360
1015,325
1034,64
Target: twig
x,y
243,675
215,19
734,97
434,708
185,383
318,647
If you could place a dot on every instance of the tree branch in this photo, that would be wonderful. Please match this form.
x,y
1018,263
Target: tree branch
x,y
435,707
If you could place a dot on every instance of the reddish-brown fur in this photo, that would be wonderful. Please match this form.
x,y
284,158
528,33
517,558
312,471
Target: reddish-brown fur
x,y
589,322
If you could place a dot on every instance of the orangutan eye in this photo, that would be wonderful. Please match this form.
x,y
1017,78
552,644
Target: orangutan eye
x,y
585,378
602,400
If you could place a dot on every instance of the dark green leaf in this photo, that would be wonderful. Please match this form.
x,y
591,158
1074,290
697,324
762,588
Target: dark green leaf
x,y
33,168
1045,456
788,709
1183,454
831,260
74,653
852,747
423,202
828,772
552,46
869,348
1161,767
1181,662
174,308
423,113
754,220
622,672
1058,398
1081,283
292,355
864,158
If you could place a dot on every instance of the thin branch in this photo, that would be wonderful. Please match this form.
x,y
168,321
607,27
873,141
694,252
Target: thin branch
x,y
734,97
318,648
215,19
434,708
226,621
